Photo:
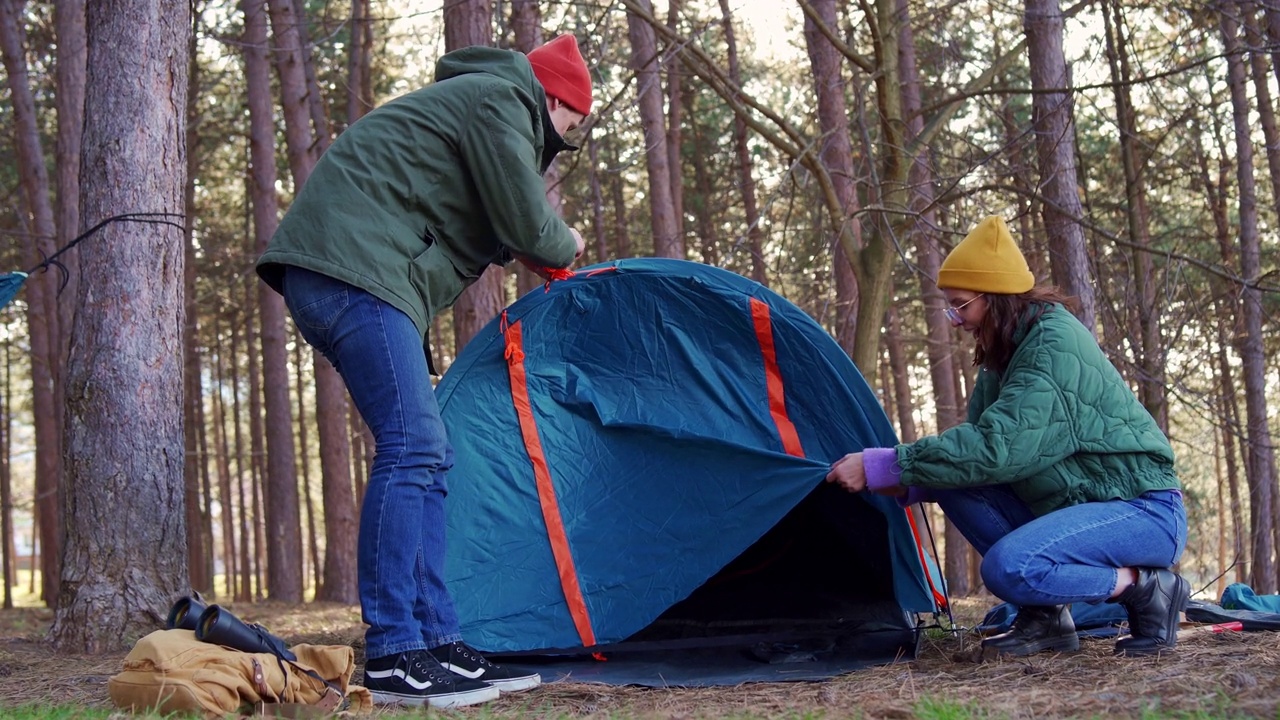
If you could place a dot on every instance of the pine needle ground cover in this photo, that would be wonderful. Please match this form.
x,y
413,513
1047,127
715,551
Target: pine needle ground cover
x,y
1230,675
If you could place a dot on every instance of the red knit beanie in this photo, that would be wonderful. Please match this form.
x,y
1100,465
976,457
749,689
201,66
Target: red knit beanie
x,y
563,73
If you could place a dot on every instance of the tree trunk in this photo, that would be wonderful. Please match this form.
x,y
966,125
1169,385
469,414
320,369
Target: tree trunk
x,y
742,151
126,545
1231,430
598,228
223,417
6,475
526,26
1266,108
467,23
199,571
249,511
1150,350
304,452
245,466
1271,9
1054,125
920,232
1227,311
1025,198
42,310
275,363
339,499
339,579
311,542
304,147
708,240
69,99
667,241
904,406
1260,457
203,455
359,92
617,199
284,548
837,157
675,121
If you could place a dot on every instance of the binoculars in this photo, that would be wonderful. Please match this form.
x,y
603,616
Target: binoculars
x,y
217,625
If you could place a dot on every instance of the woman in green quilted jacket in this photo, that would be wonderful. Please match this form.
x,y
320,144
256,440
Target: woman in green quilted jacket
x,y
1059,477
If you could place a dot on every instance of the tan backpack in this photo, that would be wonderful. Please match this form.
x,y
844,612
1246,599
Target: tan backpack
x,y
171,671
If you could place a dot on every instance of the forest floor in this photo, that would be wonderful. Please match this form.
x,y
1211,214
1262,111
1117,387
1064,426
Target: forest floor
x,y
1209,676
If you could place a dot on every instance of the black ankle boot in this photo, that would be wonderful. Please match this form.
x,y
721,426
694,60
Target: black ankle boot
x,y
1154,603
1037,628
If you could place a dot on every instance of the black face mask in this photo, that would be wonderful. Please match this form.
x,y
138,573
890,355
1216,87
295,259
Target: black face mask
x,y
552,143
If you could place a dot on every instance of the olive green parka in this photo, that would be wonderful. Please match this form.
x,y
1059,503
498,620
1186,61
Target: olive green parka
x,y
414,200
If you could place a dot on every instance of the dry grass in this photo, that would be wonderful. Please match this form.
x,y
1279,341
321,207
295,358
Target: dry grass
x,y
1210,676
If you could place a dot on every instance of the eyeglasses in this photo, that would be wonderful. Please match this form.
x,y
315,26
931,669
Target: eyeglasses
x,y
953,313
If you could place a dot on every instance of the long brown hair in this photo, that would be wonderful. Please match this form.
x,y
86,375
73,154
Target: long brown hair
x,y
1004,314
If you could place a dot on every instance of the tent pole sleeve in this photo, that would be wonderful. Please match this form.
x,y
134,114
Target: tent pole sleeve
x,y
546,489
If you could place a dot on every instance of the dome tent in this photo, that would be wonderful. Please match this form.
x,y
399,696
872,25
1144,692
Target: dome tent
x,y
640,455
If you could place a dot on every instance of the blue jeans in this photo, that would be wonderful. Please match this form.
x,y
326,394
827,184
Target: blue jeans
x,y
1070,555
400,562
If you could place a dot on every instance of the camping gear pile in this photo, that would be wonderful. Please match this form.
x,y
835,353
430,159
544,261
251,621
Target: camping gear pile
x,y
209,662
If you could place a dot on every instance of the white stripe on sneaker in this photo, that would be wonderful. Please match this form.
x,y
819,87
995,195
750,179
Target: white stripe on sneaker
x,y
397,672
459,670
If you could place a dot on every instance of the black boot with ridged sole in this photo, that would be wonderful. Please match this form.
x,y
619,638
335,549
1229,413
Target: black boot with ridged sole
x,y
1037,628
1154,603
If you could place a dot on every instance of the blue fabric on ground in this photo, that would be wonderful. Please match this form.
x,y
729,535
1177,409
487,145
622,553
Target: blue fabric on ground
x,y
1239,596
1239,604
1100,620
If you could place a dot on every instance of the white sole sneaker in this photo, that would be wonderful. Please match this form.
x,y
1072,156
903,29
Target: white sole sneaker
x,y
440,700
517,684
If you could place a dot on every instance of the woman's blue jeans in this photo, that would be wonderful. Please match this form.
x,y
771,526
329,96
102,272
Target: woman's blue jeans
x,y
380,355
1070,555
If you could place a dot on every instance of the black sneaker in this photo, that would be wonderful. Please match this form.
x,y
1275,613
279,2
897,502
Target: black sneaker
x,y
462,659
415,678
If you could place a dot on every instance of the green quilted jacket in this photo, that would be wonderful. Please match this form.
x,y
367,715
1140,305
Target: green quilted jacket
x,y
1060,426
414,200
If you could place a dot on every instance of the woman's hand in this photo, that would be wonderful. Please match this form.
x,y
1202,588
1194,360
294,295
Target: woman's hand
x,y
849,473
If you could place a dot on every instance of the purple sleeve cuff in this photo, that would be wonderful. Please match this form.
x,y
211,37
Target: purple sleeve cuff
x,y
915,494
883,471
881,467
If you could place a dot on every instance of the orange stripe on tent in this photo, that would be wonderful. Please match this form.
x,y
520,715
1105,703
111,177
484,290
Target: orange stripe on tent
x,y
773,378
939,598
546,490
787,430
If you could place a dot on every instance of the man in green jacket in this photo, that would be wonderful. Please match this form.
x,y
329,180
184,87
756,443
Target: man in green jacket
x,y
403,212
1060,478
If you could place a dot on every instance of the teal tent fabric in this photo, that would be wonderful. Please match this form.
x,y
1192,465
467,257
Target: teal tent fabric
x,y
1238,596
10,284
647,381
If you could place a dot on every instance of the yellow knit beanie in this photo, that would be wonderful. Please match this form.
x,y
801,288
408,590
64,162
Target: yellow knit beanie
x,y
987,261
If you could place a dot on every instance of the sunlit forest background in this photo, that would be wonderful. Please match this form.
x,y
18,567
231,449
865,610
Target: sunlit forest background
x,y
831,150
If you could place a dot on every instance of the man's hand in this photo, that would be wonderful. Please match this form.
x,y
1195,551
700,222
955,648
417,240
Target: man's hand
x,y
534,267
849,473
545,272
